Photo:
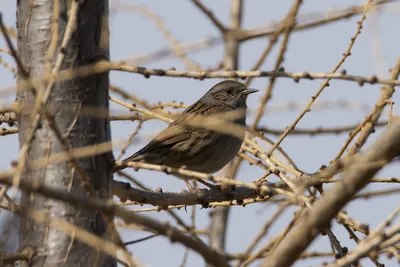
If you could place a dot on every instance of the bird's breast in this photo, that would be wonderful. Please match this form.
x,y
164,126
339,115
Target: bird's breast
x,y
215,156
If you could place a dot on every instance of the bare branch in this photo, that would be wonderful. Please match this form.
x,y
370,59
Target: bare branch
x,y
386,148
96,204
210,15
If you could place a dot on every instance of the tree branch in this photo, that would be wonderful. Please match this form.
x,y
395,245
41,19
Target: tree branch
x,y
327,207
164,199
97,204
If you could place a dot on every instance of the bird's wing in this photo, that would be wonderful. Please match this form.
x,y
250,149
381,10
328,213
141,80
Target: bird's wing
x,y
167,138
164,140
177,132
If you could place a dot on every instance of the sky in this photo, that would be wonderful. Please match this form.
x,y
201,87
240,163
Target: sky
x,y
316,50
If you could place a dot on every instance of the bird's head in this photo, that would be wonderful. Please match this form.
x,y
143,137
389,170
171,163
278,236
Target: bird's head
x,y
230,93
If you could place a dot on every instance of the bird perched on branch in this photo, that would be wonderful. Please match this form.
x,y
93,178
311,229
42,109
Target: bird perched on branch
x,y
197,148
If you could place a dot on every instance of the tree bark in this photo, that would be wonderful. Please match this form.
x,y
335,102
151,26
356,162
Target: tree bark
x,y
88,44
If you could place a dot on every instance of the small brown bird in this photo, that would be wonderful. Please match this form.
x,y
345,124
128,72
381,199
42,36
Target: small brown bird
x,y
199,149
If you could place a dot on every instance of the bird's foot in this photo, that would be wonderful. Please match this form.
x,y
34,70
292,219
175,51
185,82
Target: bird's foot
x,y
193,189
211,186
190,186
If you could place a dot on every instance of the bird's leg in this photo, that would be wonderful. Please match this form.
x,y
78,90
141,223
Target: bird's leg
x,y
211,186
188,184
192,189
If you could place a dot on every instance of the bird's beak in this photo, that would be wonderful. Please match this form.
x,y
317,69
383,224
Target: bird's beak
x,y
249,91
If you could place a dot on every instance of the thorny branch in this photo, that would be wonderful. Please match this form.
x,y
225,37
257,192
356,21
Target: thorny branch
x,y
296,188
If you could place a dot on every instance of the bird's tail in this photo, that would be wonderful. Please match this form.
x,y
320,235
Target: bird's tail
x,y
117,169
134,157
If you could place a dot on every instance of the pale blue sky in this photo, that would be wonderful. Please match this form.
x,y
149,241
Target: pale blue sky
x,y
316,50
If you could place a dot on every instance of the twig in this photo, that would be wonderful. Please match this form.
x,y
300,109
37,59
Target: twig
x,y
135,133
13,258
104,66
275,241
96,204
334,16
368,124
140,239
263,189
83,235
325,208
316,131
210,15
326,82
14,54
291,21
273,167
175,216
8,66
375,241
175,45
165,199
4,132
263,232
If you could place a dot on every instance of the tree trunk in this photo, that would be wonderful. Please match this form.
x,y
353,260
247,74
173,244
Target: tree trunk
x,y
88,44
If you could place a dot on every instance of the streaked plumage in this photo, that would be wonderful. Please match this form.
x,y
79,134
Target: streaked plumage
x,y
199,149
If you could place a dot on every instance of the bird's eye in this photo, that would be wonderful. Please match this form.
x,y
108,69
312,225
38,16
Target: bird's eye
x,y
229,91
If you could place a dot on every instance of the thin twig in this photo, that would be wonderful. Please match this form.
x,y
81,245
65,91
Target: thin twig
x,y
210,15
326,82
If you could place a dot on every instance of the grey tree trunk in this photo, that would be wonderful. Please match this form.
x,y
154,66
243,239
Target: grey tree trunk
x,y
88,44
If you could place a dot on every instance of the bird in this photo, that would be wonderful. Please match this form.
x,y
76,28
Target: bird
x,y
195,148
